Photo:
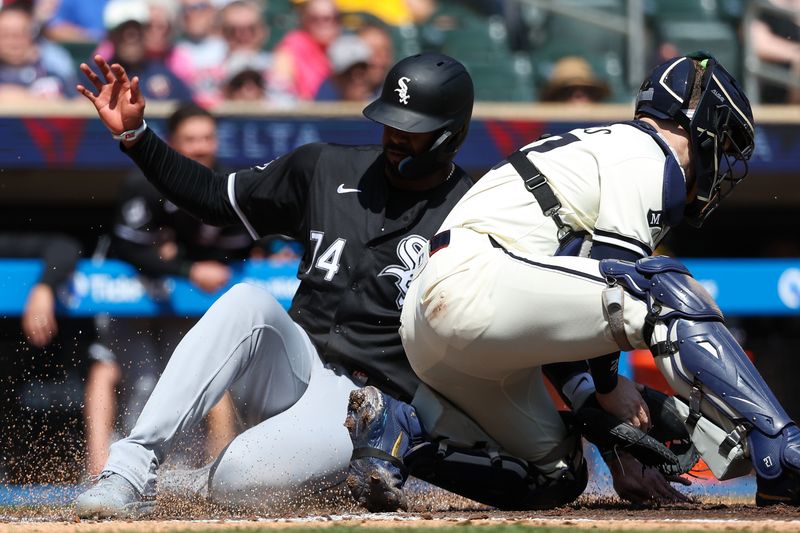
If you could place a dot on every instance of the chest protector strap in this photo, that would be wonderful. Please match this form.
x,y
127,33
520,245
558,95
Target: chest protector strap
x,y
536,184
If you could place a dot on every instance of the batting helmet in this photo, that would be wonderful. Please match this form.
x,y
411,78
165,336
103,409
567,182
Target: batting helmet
x,y
422,94
717,116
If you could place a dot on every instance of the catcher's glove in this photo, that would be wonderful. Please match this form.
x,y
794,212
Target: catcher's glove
x,y
608,432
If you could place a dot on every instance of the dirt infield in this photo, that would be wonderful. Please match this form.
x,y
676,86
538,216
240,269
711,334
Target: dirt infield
x,y
590,512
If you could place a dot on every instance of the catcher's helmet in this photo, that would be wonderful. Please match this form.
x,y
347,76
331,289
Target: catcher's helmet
x,y
720,124
422,94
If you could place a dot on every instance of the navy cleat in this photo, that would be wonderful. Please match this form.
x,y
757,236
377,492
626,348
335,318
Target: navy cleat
x,y
382,429
785,487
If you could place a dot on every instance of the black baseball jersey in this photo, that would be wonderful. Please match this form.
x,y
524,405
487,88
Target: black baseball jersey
x,y
145,221
363,239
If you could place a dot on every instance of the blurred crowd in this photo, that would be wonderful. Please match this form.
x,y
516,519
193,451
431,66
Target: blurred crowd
x,y
208,51
283,52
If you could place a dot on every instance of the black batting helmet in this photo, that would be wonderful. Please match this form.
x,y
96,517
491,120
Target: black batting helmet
x,y
422,94
719,124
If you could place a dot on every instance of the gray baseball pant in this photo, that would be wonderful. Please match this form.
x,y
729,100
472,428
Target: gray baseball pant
x,y
247,343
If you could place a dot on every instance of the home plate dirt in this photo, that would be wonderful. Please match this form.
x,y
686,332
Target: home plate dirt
x,y
428,509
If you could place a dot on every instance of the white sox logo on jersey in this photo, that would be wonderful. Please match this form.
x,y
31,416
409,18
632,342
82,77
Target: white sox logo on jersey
x,y
402,90
409,251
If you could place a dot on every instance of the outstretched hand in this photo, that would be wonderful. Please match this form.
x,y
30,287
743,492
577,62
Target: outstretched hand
x,y
641,484
118,101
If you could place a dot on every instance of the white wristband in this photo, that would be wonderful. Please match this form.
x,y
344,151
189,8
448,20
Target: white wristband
x,y
131,135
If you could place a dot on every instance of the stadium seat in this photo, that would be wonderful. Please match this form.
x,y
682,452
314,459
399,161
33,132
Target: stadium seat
x,y
281,17
682,9
554,36
462,32
510,80
716,37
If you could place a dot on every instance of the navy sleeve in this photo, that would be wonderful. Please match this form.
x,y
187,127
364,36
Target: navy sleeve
x,y
603,250
188,184
604,371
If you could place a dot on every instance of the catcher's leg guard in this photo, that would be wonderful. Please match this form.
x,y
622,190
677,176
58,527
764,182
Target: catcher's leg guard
x,y
499,480
703,362
459,456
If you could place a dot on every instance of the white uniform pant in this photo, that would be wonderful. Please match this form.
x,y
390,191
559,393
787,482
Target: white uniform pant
x,y
478,323
246,342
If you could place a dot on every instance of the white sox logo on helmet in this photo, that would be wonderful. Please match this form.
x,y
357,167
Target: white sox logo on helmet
x,y
409,251
402,90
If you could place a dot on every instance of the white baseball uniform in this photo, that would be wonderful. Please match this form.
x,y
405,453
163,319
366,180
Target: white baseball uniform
x,y
493,305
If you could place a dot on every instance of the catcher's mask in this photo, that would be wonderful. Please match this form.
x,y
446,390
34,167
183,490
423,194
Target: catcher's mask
x,y
720,124
422,94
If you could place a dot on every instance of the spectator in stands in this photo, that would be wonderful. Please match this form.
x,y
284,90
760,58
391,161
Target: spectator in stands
x,y
245,80
26,70
77,21
243,27
574,81
776,40
159,38
55,58
245,32
60,254
126,21
300,62
204,47
159,240
381,58
349,80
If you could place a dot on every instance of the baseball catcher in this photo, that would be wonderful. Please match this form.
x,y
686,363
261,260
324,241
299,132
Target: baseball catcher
x,y
547,259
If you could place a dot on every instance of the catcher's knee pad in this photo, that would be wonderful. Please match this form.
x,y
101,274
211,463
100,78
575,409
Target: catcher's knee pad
x,y
499,480
704,363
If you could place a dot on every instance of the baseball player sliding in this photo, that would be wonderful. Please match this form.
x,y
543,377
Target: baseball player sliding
x,y
506,287
364,214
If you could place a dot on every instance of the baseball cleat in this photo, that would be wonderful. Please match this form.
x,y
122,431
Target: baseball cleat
x,y
382,430
785,489
113,496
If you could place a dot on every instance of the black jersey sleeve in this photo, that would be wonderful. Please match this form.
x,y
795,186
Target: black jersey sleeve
x,y
272,198
188,184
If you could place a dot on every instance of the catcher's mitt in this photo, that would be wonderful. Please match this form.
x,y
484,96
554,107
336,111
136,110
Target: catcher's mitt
x,y
666,447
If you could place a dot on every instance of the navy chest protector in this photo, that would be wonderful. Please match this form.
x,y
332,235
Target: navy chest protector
x,y
673,194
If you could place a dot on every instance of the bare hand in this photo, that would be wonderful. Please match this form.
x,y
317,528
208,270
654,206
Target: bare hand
x,y
210,276
38,318
641,484
118,101
626,403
